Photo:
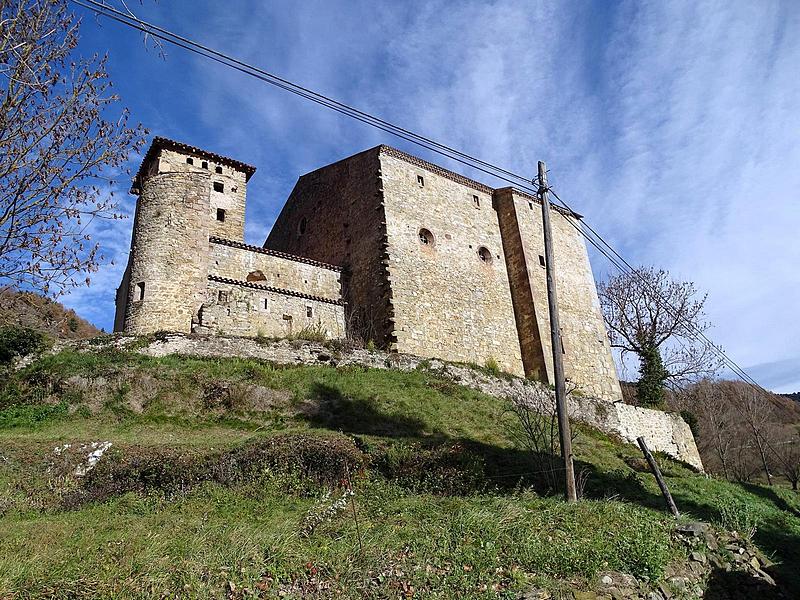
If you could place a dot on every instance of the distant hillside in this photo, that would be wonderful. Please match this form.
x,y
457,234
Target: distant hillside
x,y
793,396
27,309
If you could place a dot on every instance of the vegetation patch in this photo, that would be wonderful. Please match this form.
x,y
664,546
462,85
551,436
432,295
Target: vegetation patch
x,y
326,460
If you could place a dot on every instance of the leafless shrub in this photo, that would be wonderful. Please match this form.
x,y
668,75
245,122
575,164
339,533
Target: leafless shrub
x,y
535,428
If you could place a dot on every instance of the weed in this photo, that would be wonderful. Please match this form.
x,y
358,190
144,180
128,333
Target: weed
x,y
493,367
738,516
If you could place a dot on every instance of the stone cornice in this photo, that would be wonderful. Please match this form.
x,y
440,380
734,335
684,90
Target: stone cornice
x,y
269,288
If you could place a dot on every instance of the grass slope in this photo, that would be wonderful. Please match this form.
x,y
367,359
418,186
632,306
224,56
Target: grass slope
x,y
446,506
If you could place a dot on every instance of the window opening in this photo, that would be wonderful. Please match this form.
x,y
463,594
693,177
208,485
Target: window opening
x,y
301,226
218,170
541,261
190,161
425,237
222,296
309,311
139,293
221,215
218,187
484,255
266,303
476,201
420,181
204,164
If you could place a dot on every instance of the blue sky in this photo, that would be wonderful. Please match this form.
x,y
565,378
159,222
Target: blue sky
x,y
672,126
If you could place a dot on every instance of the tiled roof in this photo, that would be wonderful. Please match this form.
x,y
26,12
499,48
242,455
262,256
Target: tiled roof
x,y
162,142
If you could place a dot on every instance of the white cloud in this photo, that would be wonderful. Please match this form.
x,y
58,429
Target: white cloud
x,y
671,126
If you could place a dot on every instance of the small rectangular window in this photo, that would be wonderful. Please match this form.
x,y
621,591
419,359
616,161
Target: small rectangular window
x,y
221,215
541,261
309,311
266,303
190,161
204,164
218,170
421,180
530,205
218,187
222,296
138,295
476,201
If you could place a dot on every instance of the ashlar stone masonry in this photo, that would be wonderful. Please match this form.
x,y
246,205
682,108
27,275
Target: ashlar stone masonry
x,y
381,245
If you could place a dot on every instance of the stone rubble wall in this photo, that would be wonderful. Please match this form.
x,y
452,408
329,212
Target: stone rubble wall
x,y
237,263
232,199
664,432
231,309
171,268
335,215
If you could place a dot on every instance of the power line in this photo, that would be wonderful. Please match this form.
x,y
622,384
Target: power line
x,y
521,182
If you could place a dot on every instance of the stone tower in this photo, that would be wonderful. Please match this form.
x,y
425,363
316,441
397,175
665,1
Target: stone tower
x,y
442,266
185,197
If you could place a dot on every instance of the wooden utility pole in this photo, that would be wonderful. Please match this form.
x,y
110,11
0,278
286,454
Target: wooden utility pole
x,y
657,472
565,435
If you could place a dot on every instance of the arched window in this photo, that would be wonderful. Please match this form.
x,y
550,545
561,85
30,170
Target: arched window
x,y
425,237
301,226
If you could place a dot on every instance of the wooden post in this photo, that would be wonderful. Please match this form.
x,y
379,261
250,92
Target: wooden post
x,y
564,433
657,472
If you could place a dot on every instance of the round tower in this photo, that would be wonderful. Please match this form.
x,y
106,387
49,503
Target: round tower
x,y
186,196
168,263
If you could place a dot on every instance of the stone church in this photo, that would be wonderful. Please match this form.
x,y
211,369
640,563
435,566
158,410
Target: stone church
x,y
382,246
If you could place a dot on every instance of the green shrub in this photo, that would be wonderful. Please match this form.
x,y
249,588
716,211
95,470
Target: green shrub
x,y
311,333
20,341
447,469
652,374
691,421
319,460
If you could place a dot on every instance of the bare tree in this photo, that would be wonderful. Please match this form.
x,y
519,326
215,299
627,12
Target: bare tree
x,y
758,418
786,453
718,424
649,314
59,141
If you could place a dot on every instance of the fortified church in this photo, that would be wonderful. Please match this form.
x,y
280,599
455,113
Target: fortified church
x,y
380,245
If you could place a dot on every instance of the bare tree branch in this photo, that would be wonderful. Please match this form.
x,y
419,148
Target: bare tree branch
x,y
58,134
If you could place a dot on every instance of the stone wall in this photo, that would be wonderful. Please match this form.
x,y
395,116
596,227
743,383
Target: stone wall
x,y
256,310
588,363
167,272
335,215
449,302
240,261
231,199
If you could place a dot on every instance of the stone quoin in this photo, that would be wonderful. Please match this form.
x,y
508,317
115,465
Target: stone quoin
x,y
382,245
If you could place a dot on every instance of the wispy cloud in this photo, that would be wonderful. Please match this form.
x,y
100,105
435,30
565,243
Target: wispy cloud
x,y
671,126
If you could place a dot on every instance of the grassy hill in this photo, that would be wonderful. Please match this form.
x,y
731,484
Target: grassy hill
x,y
26,309
236,478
